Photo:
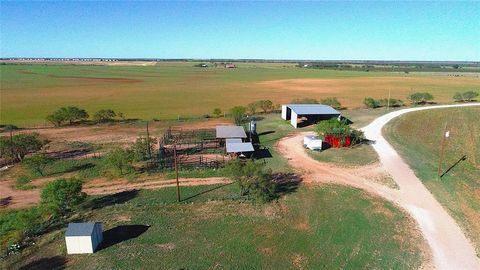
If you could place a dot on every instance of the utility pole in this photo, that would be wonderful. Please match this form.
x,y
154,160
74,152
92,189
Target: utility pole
x,y
176,169
148,144
445,136
11,146
388,101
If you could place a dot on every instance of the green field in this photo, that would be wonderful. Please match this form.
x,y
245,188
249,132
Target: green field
x,y
329,227
417,136
29,92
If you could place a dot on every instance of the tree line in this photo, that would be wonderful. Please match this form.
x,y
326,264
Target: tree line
x,y
71,115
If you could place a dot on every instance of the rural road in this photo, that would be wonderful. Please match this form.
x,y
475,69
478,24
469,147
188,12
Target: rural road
x,y
450,248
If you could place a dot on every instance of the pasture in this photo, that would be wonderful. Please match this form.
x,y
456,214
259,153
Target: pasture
x,y
417,136
327,227
166,90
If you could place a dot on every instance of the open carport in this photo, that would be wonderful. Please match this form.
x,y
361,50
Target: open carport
x,y
312,112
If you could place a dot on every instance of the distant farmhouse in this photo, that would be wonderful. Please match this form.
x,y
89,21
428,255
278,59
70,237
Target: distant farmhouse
x,y
230,65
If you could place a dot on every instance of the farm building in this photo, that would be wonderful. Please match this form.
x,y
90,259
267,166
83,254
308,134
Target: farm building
x,y
234,136
83,238
230,66
310,113
312,142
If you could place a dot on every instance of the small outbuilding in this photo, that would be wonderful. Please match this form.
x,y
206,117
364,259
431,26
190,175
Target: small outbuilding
x,y
230,132
82,238
311,112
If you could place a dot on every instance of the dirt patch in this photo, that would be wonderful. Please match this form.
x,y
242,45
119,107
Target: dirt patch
x,y
299,261
166,246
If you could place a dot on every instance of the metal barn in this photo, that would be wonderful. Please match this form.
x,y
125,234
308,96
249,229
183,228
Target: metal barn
x,y
312,112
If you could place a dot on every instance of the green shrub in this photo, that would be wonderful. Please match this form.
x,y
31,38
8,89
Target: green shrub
x,y
62,195
104,115
20,145
465,96
371,103
253,179
23,180
68,114
237,113
333,102
305,101
420,98
37,163
217,112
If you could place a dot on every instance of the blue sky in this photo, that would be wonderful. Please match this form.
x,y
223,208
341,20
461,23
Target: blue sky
x,y
269,30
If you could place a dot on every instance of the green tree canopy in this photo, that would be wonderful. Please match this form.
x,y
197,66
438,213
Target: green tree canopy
x,y
143,148
237,113
62,195
371,103
420,98
332,101
38,162
120,159
253,179
217,112
104,115
68,114
465,96
20,145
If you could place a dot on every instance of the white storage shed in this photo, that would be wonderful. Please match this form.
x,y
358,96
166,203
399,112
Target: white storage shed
x,y
82,238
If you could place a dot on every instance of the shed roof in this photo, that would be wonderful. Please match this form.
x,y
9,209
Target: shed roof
x,y
312,109
80,229
224,132
233,140
239,147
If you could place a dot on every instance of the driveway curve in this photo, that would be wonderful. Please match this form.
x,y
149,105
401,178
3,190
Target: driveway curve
x,y
449,245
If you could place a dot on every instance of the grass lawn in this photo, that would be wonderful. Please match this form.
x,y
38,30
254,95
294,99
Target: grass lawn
x,y
327,227
167,90
417,136
359,155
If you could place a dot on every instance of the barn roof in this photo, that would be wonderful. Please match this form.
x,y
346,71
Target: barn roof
x,y
80,229
312,109
224,132
239,147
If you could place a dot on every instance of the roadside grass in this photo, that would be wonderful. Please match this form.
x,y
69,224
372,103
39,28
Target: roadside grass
x,y
358,155
417,136
168,90
270,129
324,227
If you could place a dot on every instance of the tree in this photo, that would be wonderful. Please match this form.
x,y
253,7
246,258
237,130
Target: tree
x,y
252,107
217,112
104,115
371,102
420,98
18,146
120,159
237,113
305,101
266,105
466,96
143,147
68,114
254,181
332,101
62,195
38,162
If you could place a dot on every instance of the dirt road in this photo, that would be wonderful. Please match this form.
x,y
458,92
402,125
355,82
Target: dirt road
x,y
14,198
449,247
